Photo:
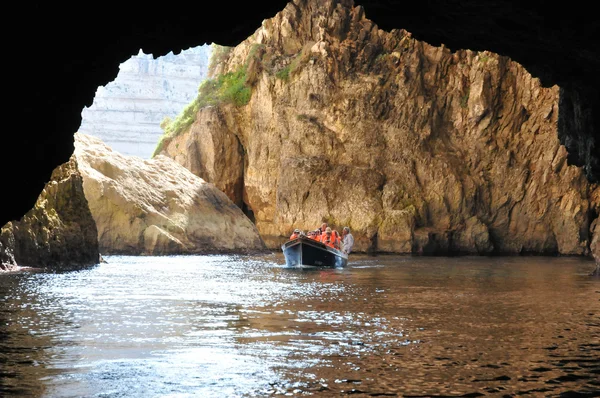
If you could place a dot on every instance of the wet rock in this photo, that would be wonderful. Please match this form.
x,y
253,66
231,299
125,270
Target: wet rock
x,y
58,233
595,229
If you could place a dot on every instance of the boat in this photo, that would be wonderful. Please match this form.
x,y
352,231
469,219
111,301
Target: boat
x,y
309,252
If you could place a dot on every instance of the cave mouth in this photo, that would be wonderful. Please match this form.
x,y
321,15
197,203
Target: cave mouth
x,y
132,113
148,97
562,50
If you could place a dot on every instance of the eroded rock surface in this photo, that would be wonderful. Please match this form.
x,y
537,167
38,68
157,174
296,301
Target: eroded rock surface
x,y
157,206
59,233
416,148
595,228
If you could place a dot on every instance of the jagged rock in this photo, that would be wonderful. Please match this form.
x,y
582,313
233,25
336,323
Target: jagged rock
x,y
7,245
416,148
59,233
126,113
157,206
595,228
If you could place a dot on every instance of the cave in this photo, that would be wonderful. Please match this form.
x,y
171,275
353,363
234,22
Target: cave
x,y
60,55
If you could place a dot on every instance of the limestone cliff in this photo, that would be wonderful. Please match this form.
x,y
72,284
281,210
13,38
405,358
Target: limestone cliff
x,y
157,206
416,148
127,113
59,233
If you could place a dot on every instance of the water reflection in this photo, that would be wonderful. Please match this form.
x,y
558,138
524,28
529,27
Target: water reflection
x,y
248,326
27,349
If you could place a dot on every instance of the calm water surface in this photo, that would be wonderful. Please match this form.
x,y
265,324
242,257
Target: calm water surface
x,y
218,326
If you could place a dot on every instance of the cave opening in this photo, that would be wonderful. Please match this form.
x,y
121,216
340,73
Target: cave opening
x,y
571,68
132,113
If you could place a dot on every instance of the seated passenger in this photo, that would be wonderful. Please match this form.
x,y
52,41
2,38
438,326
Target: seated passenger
x,y
321,230
313,235
337,240
296,234
327,238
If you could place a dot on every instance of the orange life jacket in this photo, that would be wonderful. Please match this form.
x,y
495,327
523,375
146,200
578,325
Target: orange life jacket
x,y
337,241
294,236
328,240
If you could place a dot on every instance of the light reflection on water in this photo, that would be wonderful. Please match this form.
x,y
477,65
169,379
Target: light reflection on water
x,y
248,326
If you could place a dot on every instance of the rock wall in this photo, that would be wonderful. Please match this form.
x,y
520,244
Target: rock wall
x,y
59,233
127,113
416,148
595,227
157,207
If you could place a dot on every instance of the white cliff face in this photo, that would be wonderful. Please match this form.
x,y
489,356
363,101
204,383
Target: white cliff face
x,y
126,113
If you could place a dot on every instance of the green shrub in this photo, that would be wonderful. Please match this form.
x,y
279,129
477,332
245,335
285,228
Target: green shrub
x,y
284,73
166,122
231,88
159,145
300,59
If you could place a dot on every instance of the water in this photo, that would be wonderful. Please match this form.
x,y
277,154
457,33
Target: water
x,y
219,326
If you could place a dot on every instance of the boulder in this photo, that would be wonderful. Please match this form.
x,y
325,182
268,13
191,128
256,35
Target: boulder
x,y
158,207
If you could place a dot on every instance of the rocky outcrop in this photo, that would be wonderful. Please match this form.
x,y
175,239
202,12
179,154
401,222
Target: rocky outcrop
x,y
416,148
59,233
595,228
157,207
127,113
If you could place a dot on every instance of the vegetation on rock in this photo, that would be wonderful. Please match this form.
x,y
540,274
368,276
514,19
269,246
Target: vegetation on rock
x,y
226,88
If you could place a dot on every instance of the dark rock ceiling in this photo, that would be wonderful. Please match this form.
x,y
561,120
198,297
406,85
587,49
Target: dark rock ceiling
x,y
56,55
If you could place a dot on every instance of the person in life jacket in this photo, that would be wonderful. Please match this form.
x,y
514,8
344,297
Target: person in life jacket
x,y
337,240
327,238
313,235
296,234
321,230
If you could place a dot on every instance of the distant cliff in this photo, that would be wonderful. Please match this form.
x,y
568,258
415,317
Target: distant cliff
x,y
59,233
321,116
127,113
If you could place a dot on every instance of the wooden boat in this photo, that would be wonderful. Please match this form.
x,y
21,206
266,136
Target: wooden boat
x,y
307,251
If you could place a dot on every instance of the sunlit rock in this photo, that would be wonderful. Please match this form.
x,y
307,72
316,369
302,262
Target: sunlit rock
x,y
59,233
157,206
416,148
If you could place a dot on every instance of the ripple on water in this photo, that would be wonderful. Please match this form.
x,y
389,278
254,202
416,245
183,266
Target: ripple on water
x,y
249,326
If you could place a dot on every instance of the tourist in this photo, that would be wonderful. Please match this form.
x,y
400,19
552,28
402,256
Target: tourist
x,y
321,230
337,240
347,240
313,235
327,238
